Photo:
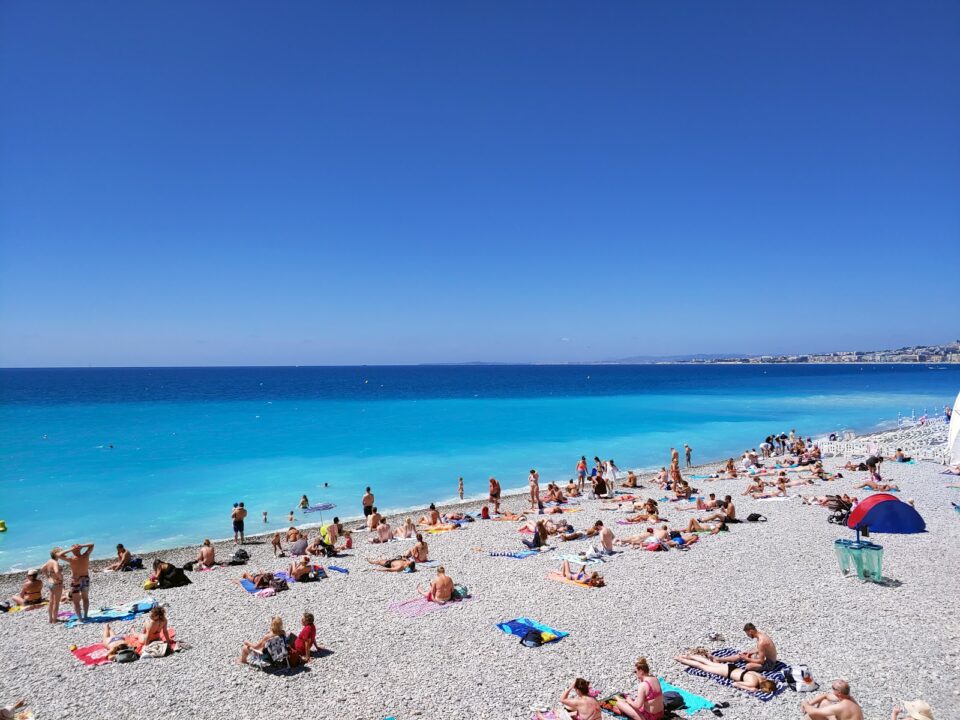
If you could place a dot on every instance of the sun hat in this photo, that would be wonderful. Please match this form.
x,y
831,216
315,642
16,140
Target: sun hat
x,y
918,709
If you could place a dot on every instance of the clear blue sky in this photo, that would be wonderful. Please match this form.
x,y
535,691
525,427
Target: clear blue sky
x,y
364,182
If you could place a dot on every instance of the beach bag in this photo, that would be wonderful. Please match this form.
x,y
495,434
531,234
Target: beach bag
x,y
126,655
276,651
532,638
135,564
756,517
278,584
156,649
460,592
241,554
188,566
673,701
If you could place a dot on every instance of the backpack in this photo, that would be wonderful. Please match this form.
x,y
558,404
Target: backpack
x,y
756,517
126,655
672,701
532,638
460,592
241,554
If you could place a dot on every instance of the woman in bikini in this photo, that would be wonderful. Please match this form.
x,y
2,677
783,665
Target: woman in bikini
x,y
593,579
578,699
648,702
742,679
155,628
399,564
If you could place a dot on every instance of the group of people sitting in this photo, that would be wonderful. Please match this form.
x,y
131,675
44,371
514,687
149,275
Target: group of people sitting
x,y
279,649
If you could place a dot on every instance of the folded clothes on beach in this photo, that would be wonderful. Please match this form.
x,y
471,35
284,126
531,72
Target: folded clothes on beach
x,y
521,626
776,674
117,613
692,703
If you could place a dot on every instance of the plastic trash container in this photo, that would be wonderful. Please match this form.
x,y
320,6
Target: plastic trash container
x,y
864,558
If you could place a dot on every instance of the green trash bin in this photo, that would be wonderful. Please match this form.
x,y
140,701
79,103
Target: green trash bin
x,y
864,558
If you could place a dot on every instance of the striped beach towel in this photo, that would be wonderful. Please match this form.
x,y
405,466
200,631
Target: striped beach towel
x,y
776,675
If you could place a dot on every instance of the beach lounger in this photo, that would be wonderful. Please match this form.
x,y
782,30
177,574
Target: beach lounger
x,y
776,675
521,626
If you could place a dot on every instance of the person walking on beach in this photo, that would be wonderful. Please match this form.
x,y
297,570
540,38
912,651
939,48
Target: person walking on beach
x,y
367,502
460,488
688,452
834,705
51,570
534,480
495,495
78,558
237,516
581,473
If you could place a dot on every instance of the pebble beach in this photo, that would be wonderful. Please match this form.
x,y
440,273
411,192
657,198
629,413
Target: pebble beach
x,y
893,641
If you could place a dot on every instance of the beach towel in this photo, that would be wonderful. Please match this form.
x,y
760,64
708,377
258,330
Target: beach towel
x,y
436,530
692,703
21,608
420,606
558,577
284,575
580,559
517,555
631,522
338,569
96,654
776,675
521,626
117,613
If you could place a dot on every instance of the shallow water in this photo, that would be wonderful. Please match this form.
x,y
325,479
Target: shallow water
x,y
156,457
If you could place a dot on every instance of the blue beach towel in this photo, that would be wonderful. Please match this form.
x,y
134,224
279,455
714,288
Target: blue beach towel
x,y
338,569
692,703
776,675
521,626
248,586
518,555
319,508
117,613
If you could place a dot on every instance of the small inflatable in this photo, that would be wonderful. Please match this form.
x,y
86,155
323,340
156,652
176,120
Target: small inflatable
x,y
3,525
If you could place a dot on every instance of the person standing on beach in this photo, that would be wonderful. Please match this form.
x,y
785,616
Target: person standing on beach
x,y
460,488
688,452
581,473
51,570
78,557
367,502
534,480
495,495
237,516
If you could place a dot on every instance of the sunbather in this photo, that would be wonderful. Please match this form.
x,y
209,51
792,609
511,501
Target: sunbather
x,y
605,546
113,643
507,515
578,699
419,552
253,653
593,579
441,588
762,657
875,485
373,520
31,592
631,481
756,487
155,628
647,704
384,533
206,557
399,564
834,705
539,538
407,530
292,534
748,680
260,580
123,559
727,512
709,504
299,570
431,518
712,527
304,642
662,479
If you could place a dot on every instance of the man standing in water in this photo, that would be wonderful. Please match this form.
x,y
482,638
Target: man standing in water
x,y
367,502
78,557
688,452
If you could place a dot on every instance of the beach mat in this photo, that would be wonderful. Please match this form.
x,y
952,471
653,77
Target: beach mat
x,y
96,654
436,530
516,555
557,577
337,568
776,675
420,606
520,626
116,613
22,608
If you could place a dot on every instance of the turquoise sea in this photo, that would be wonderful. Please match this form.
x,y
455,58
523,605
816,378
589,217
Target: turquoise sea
x,y
156,457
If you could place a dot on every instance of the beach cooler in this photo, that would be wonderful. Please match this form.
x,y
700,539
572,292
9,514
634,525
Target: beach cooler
x,y
866,558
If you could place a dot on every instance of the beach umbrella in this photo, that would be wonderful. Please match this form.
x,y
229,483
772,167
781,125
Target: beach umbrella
x,y
883,513
953,437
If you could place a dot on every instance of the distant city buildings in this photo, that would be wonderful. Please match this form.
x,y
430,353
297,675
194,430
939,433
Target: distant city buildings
x,y
946,353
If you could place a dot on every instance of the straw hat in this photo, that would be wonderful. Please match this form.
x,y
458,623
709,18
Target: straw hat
x,y
918,709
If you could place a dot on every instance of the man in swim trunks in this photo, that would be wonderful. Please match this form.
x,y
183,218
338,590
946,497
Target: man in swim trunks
x,y
237,516
394,564
123,559
78,557
605,547
367,502
834,705
764,656
51,570
495,495
441,588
